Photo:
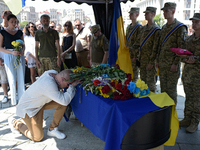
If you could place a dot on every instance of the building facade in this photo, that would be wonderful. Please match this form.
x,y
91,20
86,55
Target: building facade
x,y
72,14
28,14
53,14
184,11
3,7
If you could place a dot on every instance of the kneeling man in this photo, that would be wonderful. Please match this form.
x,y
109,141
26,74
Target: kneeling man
x,y
42,95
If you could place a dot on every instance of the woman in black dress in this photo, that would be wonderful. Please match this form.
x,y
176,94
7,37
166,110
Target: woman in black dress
x,y
68,42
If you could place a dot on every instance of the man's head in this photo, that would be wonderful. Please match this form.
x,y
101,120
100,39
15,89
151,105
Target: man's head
x,y
63,78
38,24
169,10
83,23
52,25
134,13
150,13
196,22
78,24
96,30
58,27
45,19
5,15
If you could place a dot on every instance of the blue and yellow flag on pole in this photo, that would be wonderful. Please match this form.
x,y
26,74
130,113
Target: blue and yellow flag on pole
x,y
15,5
118,52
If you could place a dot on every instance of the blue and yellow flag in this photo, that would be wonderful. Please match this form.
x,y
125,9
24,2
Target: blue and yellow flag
x,y
15,5
118,52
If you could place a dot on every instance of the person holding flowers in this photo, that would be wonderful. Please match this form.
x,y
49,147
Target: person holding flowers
x,y
191,78
13,59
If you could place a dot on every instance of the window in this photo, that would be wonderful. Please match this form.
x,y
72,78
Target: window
x,y
186,14
187,3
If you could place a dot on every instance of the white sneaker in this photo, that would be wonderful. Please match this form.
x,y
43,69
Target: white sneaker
x,y
56,133
12,128
5,99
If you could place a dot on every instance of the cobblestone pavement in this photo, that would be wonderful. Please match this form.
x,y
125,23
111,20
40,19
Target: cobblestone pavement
x,y
78,137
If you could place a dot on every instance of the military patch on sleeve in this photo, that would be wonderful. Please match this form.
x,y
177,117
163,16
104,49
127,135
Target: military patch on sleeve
x,y
185,35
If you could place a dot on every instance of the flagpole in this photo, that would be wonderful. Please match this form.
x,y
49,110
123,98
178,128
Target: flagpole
x,y
106,27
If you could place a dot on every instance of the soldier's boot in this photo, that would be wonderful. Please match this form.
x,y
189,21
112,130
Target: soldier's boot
x,y
185,122
193,127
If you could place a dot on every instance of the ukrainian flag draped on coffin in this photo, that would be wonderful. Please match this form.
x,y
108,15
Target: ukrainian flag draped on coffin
x,y
118,52
15,5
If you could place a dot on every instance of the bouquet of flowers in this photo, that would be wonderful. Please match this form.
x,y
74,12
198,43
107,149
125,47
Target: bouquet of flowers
x,y
109,82
17,47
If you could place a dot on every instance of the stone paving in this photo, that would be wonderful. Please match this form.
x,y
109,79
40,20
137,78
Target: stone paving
x,y
78,137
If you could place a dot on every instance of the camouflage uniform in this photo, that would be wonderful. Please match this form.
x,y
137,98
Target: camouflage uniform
x,y
191,81
166,58
131,41
148,55
98,48
49,63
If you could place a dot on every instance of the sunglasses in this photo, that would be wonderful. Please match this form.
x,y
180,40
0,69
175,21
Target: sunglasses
x,y
52,27
77,25
96,32
66,25
31,27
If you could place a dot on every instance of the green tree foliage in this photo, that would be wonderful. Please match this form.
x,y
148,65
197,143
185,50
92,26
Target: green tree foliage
x,y
159,20
23,24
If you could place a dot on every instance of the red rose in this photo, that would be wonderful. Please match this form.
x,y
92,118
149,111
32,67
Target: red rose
x,y
105,89
96,82
128,76
123,98
116,96
116,66
127,81
112,84
127,93
119,86
87,67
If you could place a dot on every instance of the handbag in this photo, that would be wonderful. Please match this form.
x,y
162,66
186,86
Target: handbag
x,y
68,55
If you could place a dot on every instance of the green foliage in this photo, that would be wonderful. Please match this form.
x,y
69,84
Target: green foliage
x,y
23,24
159,20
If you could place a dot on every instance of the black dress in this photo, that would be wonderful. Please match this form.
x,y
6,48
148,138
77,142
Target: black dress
x,y
67,43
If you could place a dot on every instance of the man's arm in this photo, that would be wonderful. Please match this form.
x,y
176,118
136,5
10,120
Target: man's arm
x,y
36,54
105,57
181,33
58,50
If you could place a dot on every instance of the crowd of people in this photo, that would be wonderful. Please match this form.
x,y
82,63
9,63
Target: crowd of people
x,y
50,51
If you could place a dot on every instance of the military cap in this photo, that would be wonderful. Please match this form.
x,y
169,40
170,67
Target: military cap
x,y
150,9
196,16
134,9
169,5
95,28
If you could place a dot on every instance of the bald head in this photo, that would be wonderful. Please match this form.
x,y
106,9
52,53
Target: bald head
x,y
65,74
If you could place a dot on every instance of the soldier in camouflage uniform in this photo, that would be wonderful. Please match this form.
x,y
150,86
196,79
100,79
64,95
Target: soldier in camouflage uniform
x,y
168,61
191,78
99,47
132,33
150,34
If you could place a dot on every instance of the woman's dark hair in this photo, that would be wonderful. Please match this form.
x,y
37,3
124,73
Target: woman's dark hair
x,y
11,16
27,32
70,27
